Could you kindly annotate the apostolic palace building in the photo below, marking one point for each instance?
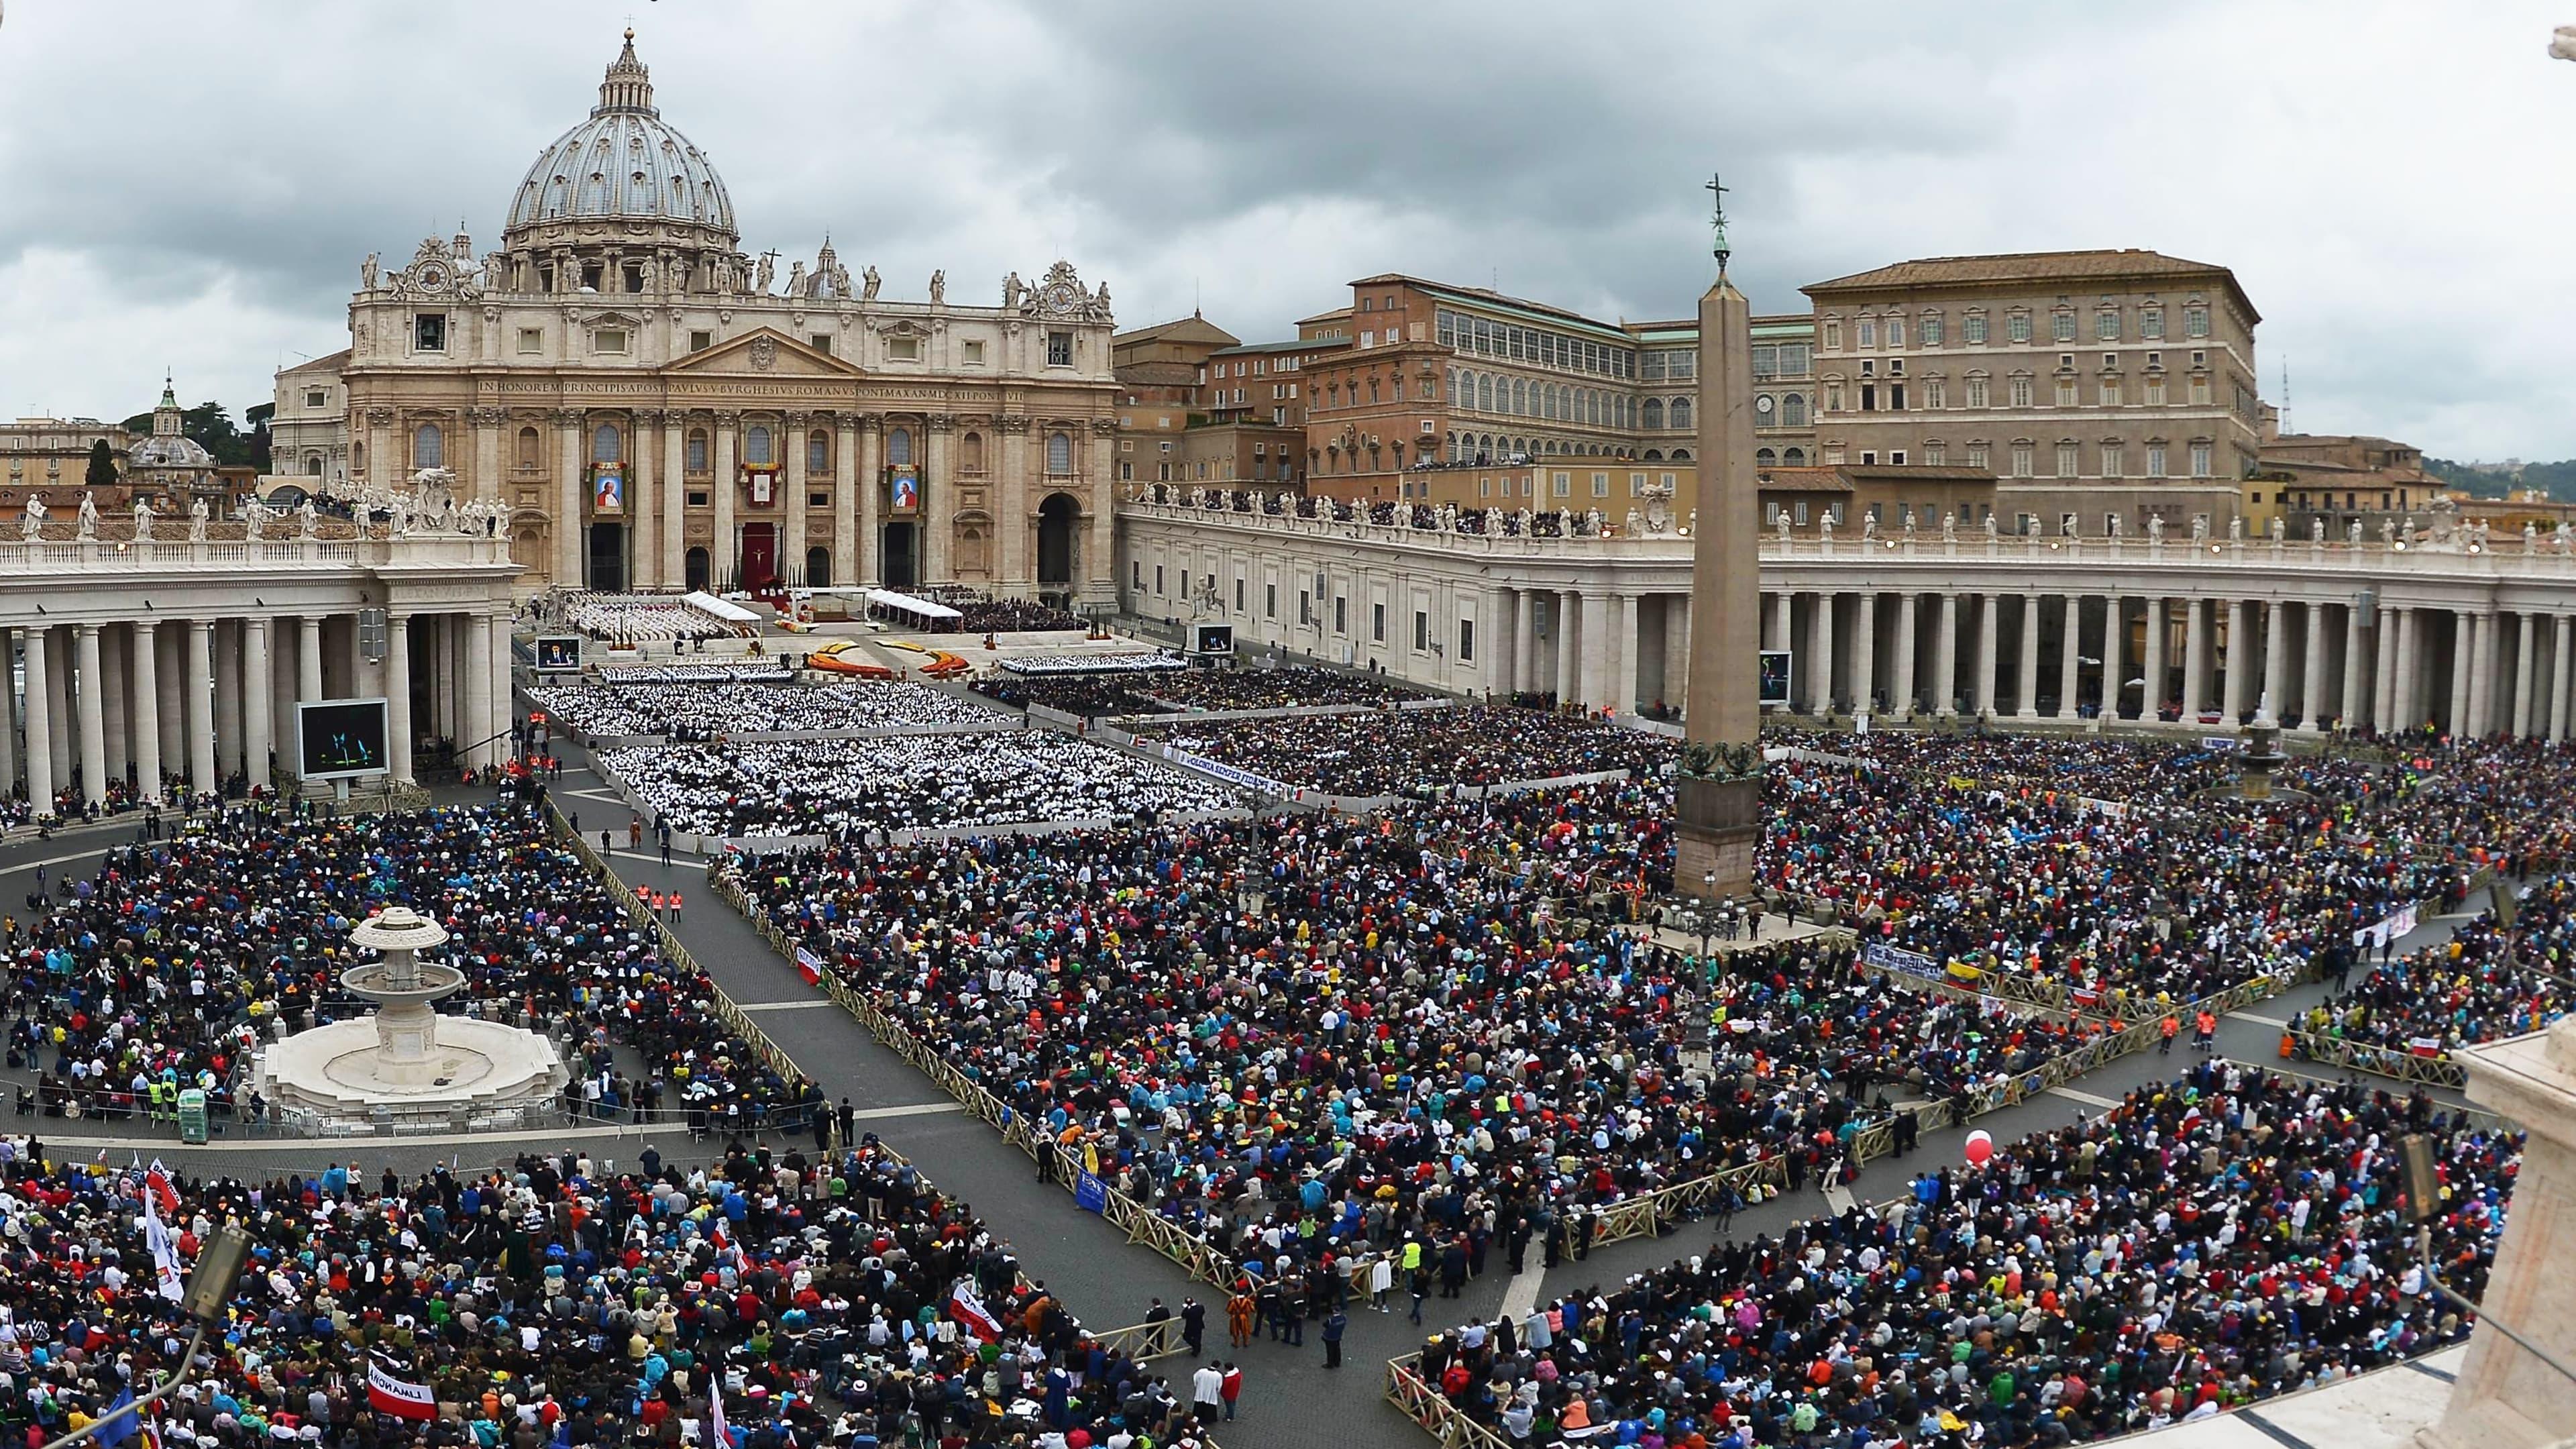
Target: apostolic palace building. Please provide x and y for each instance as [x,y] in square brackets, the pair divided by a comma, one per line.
[661,409]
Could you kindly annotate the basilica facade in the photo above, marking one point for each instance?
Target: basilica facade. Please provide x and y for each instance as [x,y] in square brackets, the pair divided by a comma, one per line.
[662,410]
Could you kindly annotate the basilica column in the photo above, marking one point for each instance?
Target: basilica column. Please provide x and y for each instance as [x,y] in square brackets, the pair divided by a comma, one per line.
[2526,649]
[845,502]
[398,730]
[939,500]
[488,423]
[40,725]
[1100,561]
[791,548]
[672,535]
[2151,696]
[1904,702]
[867,484]
[2358,673]
[147,710]
[259,691]
[1945,657]
[1820,643]
[1864,665]
[93,717]
[2070,660]
[724,561]
[1014,513]
[201,719]
[2312,674]
[383,467]
[567,510]
[2276,661]
[642,548]
[1989,652]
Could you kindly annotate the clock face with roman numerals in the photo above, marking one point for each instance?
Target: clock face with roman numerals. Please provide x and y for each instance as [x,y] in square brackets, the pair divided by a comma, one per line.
[1061,297]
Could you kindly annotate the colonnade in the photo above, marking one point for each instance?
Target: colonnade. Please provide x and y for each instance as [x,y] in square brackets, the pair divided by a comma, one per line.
[163,705]
[2046,655]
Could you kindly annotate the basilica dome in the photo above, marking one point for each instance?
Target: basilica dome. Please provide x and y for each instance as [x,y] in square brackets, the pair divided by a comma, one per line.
[624,167]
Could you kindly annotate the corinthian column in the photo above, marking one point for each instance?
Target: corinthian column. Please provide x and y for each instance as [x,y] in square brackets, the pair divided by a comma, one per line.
[567,520]
[791,549]
[938,501]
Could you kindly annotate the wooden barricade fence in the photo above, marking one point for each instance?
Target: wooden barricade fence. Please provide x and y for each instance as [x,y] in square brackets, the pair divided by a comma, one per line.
[1425,1405]
[2395,1063]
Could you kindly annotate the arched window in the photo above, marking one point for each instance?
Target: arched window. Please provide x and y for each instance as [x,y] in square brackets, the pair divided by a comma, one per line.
[1654,412]
[313,465]
[428,447]
[899,448]
[527,447]
[694,459]
[605,445]
[358,457]
[971,451]
[1793,410]
[818,454]
[1795,457]
[1680,413]
[755,444]
[1059,453]
[1484,394]
[1765,458]
[1681,455]
[1520,397]
[1654,455]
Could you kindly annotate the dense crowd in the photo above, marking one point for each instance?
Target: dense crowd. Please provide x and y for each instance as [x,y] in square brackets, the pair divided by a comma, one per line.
[2208,1243]
[1404,1042]
[166,968]
[835,1300]
[1418,752]
[852,789]
[1014,616]
[758,669]
[636,620]
[2488,981]
[1289,687]
[1091,696]
[1103,663]
[704,711]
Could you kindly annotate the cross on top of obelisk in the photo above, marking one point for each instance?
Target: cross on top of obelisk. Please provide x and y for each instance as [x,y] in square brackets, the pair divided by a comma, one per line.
[1717,221]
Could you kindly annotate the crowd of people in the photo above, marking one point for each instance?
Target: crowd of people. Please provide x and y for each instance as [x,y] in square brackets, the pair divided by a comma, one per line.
[1091,696]
[639,620]
[2208,1243]
[836,1300]
[1286,687]
[1130,662]
[894,783]
[1015,616]
[692,712]
[1418,752]
[2490,980]
[758,669]
[168,966]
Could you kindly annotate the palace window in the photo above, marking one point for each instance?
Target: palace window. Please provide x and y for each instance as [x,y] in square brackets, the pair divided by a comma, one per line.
[1973,328]
[2195,321]
[1929,333]
[2017,327]
[2070,460]
[428,447]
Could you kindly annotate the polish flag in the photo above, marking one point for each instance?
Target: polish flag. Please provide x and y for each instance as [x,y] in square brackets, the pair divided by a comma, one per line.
[809,966]
[968,1308]
[389,1395]
[157,1184]
[2424,1046]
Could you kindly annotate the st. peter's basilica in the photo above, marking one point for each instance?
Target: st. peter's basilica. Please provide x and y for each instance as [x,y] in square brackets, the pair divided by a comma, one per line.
[662,410]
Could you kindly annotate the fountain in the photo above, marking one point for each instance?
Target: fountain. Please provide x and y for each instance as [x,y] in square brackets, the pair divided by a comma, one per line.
[2261,755]
[406,1066]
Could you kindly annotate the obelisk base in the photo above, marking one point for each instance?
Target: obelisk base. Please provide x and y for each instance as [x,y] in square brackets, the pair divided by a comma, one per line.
[1720,822]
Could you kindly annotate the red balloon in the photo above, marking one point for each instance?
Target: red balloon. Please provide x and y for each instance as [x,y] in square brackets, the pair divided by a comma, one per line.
[1979,1148]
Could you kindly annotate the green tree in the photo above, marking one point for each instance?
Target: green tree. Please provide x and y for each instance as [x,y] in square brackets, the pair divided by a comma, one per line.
[211,425]
[258,417]
[102,466]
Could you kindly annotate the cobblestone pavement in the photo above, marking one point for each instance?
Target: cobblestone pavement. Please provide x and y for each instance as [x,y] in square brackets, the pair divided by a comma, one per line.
[1290,1398]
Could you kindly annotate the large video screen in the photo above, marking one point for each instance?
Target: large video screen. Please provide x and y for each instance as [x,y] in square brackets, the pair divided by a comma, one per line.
[557,652]
[1775,676]
[339,738]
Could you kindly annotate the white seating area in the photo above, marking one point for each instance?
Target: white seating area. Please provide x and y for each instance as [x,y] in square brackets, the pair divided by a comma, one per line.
[649,619]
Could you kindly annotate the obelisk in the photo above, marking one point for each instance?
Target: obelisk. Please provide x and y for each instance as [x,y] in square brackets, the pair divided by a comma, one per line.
[1720,789]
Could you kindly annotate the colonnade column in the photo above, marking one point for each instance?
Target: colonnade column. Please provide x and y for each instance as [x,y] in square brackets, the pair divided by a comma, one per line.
[1904,702]
[1626,635]
[791,549]
[2151,695]
[478,692]
[1593,656]
[1864,670]
[398,731]
[2312,676]
[2070,665]
[1989,642]
[308,658]
[2026,698]
[200,705]
[568,454]
[2240,659]
[146,711]
[2482,673]
[58,685]
[111,701]
[2195,657]
[2525,649]
[1945,658]
[1525,640]
[171,646]
[93,717]
[2402,712]
[2276,659]
[8,712]
[259,692]
[2115,643]
[1821,644]
[2464,650]
[1677,614]
[228,699]
[2358,675]
[2559,650]
[1569,653]
[40,725]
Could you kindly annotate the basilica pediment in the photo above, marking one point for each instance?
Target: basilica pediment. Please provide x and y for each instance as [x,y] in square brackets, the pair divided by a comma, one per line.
[764,352]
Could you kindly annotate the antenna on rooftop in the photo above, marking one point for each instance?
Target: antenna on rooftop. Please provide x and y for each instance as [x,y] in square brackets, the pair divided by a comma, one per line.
[2285,393]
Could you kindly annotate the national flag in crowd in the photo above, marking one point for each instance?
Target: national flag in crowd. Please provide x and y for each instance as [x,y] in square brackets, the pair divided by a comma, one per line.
[387,1394]
[156,1186]
[715,1410]
[165,1253]
[809,966]
[968,1307]
[2424,1046]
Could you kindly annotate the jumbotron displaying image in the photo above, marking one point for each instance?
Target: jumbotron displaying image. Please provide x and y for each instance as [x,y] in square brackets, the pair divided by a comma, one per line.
[339,738]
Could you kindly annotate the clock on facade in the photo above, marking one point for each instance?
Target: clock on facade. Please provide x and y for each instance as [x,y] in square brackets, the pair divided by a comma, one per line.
[1762,404]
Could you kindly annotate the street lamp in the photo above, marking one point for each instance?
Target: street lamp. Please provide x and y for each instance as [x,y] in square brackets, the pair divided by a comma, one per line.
[210,1288]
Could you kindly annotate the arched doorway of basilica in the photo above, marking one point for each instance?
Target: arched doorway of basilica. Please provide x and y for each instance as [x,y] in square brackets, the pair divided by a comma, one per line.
[694,569]
[902,569]
[818,568]
[608,557]
[1059,521]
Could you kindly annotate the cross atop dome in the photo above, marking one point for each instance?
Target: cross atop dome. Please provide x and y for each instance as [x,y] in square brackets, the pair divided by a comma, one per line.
[628,86]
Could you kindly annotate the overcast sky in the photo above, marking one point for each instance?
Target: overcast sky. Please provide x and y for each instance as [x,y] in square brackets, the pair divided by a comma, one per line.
[193,184]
